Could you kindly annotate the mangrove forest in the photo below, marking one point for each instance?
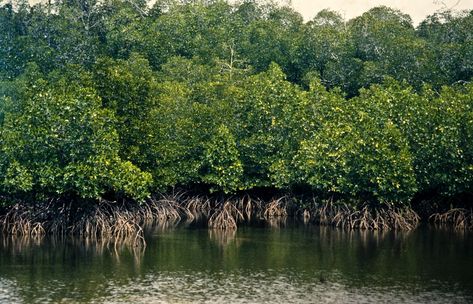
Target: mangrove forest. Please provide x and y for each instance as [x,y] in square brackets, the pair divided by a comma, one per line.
[114,114]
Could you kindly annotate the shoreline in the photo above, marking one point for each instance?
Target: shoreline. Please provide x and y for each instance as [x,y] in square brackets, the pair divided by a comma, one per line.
[125,221]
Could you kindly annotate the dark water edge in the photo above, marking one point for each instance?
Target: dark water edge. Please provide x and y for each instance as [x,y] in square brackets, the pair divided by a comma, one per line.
[256,264]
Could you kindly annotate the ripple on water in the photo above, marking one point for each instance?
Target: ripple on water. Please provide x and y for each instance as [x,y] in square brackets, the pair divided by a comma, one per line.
[263,287]
[8,291]
[293,265]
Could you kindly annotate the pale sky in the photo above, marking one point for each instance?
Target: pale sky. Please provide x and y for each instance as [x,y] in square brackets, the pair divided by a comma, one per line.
[417,9]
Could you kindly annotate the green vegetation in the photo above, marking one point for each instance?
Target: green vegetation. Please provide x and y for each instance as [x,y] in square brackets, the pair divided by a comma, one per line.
[116,99]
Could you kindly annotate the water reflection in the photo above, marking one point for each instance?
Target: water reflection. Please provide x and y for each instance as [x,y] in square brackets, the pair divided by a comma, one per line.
[277,221]
[223,238]
[296,264]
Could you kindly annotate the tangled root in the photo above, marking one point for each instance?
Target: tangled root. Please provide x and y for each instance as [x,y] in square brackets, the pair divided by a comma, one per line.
[164,209]
[225,217]
[109,220]
[460,218]
[22,221]
[381,218]
[249,206]
[196,207]
[124,221]
[276,208]
[58,224]
[96,220]
[329,214]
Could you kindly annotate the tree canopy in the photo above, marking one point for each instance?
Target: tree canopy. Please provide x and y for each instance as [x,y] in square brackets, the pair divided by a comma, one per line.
[123,98]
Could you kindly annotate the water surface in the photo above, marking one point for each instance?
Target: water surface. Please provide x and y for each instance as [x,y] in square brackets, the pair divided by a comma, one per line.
[294,264]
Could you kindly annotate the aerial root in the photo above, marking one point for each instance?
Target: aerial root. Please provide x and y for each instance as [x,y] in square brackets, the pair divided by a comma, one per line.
[109,220]
[196,207]
[460,218]
[379,218]
[225,216]
[249,206]
[164,209]
[276,208]
[125,221]
[22,221]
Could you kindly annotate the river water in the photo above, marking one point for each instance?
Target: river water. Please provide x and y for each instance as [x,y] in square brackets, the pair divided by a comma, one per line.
[294,264]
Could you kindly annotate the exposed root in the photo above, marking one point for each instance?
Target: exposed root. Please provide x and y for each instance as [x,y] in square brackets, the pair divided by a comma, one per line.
[404,218]
[276,208]
[225,217]
[196,207]
[381,218]
[329,214]
[460,218]
[58,224]
[124,221]
[22,221]
[167,208]
[306,215]
[109,220]
[249,206]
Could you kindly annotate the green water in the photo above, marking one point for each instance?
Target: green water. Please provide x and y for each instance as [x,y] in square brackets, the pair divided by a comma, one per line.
[294,264]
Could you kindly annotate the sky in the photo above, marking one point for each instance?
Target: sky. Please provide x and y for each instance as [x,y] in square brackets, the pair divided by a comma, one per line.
[417,9]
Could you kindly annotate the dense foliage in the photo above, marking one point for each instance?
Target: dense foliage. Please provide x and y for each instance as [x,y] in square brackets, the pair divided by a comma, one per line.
[119,98]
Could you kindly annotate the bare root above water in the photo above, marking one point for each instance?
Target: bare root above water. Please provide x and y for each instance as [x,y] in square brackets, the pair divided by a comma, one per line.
[276,208]
[249,206]
[121,222]
[22,221]
[126,221]
[460,218]
[378,218]
[110,220]
[225,216]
